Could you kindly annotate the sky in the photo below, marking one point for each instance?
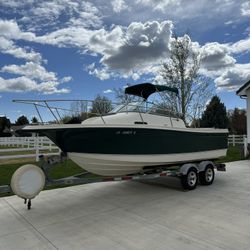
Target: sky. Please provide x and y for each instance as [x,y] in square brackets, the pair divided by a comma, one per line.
[74,49]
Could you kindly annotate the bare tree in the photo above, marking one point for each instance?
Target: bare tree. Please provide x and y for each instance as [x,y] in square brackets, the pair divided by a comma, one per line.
[101,105]
[122,97]
[181,71]
[79,107]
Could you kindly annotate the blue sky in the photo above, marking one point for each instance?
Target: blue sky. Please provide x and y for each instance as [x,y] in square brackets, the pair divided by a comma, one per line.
[72,49]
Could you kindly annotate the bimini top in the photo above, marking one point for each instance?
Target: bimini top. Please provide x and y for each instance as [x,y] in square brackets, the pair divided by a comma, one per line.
[144,90]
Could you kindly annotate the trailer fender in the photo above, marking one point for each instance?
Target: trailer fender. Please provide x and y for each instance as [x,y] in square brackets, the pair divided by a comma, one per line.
[202,165]
[185,167]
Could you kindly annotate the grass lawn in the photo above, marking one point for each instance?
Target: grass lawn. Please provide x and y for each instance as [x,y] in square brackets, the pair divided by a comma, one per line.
[233,154]
[69,168]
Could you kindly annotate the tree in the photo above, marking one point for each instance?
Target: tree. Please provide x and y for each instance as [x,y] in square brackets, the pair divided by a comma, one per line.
[215,115]
[4,123]
[181,71]
[22,120]
[101,105]
[122,97]
[34,120]
[238,122]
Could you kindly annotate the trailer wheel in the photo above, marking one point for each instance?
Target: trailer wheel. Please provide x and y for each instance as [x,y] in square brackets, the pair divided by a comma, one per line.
[207,176]
[189,181]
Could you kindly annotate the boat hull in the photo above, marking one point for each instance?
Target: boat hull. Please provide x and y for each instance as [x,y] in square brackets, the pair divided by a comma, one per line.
[114,165]
[118,150]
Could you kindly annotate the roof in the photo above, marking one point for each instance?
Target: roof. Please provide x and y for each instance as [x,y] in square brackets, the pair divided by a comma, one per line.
[242,90]
[146,89]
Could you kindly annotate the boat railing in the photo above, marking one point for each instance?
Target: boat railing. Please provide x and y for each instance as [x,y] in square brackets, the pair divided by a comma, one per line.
[92,108]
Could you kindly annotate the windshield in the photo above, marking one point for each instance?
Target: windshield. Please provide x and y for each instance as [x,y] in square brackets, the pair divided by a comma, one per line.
[130,107]
[144,107]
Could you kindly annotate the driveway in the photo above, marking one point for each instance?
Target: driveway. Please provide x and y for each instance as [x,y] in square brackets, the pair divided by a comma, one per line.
[134,215]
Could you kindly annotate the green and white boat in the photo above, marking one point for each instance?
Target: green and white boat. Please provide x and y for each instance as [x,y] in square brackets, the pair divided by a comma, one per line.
[134,137]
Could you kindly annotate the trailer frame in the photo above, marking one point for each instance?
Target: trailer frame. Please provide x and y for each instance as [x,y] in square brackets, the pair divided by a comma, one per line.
[180,171]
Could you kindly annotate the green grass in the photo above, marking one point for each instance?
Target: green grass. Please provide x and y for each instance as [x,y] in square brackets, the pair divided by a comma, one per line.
[58,171]
[61,170]
[233,154]
[69,168]
[27,152]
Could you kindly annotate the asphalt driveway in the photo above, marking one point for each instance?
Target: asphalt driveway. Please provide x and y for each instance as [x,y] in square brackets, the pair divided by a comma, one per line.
[134,215]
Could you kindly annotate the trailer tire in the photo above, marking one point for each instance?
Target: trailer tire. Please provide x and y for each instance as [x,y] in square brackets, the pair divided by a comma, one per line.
[206,177]
[189,181]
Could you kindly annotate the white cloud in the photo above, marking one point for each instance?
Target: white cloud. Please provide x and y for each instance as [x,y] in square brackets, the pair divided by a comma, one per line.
[10,30]
[24,84]
[124,51]
[102,73]
[215,56]
[31,70]
[241,46]
[33,77]
[228,22]
[245,9]
[66,79]
[234,77]
[8,47]
[19,84]
[119,5]
[140,44]
[108,91]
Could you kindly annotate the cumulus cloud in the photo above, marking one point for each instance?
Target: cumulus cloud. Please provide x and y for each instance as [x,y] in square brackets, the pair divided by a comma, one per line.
[19,84]
[215,56]
[141,44]
[245,9]
[66,79]
[37,15]
[31,70]
[127,51]
[241,46]
[9,47]
[25,84]
[33,77]
[108,91]
[123,49]
[9,29]
[119,5]
[233,77]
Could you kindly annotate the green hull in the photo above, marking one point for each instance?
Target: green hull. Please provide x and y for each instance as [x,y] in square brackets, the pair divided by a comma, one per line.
[134,141]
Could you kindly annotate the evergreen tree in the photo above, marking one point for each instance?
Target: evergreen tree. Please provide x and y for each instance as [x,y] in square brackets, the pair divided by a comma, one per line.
[34,120]
[238,122]
[22,120]
[4,123]
[215,115]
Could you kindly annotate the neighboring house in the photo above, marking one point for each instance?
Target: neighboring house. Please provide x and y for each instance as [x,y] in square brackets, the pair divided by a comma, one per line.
[244,92]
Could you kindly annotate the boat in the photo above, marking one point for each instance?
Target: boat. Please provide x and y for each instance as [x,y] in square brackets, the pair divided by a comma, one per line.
[135,137]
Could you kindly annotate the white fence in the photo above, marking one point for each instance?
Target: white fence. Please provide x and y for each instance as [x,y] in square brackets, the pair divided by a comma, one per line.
[239,140]
[21,144]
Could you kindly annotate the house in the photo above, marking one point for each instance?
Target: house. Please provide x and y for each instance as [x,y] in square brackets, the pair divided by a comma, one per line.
[244,92]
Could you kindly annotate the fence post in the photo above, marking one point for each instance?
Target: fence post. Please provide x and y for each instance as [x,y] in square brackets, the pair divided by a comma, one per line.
[50,145]
[233,140]
[37,147]
[245,145]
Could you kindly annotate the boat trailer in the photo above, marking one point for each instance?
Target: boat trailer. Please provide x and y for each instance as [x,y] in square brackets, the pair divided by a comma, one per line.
[29,180]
